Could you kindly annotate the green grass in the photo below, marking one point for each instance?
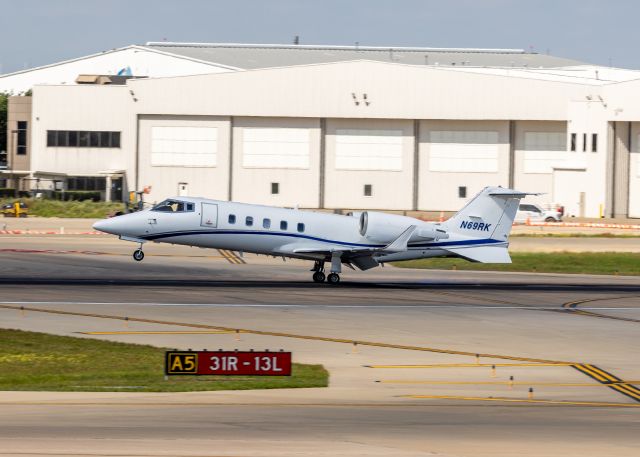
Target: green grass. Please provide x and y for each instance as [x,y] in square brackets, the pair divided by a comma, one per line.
[38,361]
[606,263]
[58,208]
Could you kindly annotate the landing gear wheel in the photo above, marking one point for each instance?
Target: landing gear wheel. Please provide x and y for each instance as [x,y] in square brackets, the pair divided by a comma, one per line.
[333,278]
[318,276]
[138,255]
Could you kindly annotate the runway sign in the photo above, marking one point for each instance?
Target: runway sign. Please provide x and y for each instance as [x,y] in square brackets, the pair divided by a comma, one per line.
[228,363]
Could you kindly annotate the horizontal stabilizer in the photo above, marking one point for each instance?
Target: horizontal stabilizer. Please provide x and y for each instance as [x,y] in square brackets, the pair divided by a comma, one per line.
[483,254]
[510,193]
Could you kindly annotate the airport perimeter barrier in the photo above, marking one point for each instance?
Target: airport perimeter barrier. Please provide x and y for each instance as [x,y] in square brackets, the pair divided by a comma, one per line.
[582,225]
[61,231]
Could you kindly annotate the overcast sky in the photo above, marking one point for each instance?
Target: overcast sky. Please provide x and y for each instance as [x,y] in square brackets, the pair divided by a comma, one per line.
[38,32]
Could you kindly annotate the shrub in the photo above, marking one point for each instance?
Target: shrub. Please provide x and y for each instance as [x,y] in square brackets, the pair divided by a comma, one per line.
[72,208]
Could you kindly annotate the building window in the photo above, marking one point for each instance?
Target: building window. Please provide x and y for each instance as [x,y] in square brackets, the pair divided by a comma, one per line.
[283,225]
[368,190]
[62,138]
[462,192]
[51,138]
[232,218]
[249,221]
[275,188]
[21,145]
[87,183]
[82,139]
[266,223]
[94,139]
[73,139]
[300,227]
[574,140]
[594,142]
[584,142]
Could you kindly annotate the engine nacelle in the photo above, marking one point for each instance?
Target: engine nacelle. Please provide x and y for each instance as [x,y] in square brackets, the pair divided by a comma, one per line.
[384,228]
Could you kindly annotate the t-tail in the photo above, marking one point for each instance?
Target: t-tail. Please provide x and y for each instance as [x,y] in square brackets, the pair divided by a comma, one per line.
[484,224]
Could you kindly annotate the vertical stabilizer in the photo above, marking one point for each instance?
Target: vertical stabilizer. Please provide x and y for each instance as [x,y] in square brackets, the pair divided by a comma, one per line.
[489,215]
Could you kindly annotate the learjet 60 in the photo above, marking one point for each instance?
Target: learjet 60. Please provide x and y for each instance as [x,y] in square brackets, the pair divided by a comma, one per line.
[479,232]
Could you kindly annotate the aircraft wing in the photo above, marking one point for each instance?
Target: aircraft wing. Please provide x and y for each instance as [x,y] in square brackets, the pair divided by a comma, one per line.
[362,257]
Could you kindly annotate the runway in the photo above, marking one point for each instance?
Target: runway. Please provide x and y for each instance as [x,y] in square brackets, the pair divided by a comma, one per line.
[420,361]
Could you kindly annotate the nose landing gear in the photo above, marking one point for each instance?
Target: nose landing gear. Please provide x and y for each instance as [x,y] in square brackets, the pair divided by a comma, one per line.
[138,254]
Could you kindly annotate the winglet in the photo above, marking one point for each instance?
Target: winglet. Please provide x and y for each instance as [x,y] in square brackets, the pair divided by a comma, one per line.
[400,243]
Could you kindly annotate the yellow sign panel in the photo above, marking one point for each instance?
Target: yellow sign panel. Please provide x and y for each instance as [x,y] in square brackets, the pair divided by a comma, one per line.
[182,363]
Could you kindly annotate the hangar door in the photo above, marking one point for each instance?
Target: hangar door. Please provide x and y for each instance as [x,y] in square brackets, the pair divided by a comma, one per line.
[368,149]
[184,146]
[544,151]
[634,184]
[567,193]
[456,151]
[266,147]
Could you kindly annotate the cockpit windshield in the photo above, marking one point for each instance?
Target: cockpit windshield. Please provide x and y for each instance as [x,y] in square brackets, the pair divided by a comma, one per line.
[173,206]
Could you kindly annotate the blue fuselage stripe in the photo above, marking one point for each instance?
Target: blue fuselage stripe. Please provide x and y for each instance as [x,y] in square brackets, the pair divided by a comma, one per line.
[159,236]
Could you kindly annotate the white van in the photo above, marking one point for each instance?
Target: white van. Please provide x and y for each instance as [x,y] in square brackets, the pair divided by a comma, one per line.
[535,213]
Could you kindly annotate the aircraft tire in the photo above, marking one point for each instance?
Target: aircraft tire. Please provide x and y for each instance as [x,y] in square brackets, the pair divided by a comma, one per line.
[138,255]
[333,279]
[318,276]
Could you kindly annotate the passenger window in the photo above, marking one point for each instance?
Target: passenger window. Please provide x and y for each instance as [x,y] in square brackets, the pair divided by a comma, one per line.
[266,223]
[189,206]
[283,225]
[300,227]
[249,221]
[232,218]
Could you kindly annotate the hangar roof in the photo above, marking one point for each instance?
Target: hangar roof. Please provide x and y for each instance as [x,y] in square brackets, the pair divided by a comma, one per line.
[252,56]
[582,74]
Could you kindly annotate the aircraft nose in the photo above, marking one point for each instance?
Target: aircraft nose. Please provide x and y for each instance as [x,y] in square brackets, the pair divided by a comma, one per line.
[108,226]
[102,225]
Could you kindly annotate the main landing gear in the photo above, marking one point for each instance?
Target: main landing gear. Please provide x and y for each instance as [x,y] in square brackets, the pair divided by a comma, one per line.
[332,278]
[318,276]
[318,271]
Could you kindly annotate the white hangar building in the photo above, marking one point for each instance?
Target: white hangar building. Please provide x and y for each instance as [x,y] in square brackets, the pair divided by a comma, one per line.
[399,129]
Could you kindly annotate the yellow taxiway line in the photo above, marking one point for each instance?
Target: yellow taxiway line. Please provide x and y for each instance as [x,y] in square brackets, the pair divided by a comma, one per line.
[522,400]
[599,375]
[609,380]
[572,307]
[476,365]
[159,332]
[231,257]
[504,383]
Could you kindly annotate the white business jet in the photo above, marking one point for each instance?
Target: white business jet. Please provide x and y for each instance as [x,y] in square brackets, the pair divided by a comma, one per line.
[478,232]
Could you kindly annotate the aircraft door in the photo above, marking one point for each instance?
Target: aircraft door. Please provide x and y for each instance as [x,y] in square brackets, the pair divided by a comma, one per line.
[209,215]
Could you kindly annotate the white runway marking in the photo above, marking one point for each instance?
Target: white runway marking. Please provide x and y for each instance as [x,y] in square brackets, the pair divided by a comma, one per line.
[284,305]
